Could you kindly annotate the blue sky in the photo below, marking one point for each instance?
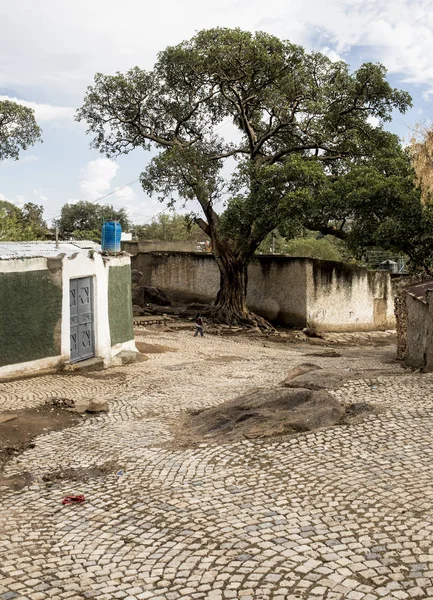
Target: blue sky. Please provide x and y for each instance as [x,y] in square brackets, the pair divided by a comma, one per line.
[50,50]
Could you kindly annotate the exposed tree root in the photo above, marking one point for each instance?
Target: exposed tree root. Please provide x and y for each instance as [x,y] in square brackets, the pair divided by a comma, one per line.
[219,315]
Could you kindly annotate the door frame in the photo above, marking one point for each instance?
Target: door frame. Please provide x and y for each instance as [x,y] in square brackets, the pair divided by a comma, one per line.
[93,311]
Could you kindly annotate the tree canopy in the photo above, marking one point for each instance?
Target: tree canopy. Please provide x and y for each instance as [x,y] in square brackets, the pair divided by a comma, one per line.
[379,206]
[84,220]
[24,224]
[170,228]
[18,129]
[251,127]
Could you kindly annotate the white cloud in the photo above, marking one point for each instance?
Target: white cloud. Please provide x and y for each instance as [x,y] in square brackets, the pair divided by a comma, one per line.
[331,54]
[96,178]
[374,121]
[29,159]
[19,200]
[94,36]
[45,112]
[39,193]
[125,195]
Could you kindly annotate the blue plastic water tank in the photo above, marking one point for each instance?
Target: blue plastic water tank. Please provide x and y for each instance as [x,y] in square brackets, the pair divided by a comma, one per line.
[111,234]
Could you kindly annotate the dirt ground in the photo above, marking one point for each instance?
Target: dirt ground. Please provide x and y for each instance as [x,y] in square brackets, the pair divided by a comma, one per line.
[18,429]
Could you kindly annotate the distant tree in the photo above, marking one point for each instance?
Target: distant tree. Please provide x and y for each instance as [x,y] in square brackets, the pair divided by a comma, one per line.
[308,246]
[170,228]
[18,129]
[24,224]
[300,119]
[84,220]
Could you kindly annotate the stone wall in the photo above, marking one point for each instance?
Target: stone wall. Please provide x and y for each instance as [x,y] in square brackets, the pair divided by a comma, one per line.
[285,290]
[419,336]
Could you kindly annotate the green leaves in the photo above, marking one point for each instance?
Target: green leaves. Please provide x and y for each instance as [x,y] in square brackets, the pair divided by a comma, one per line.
[24,224]
[88,217]
[170,228]
[252,115]
[18,129]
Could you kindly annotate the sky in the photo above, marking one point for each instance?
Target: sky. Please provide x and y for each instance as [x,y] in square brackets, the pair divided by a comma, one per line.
[51,49]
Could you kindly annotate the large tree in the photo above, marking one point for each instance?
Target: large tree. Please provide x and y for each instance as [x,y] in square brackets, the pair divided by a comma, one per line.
[18,129]
[245,119]
[84,220]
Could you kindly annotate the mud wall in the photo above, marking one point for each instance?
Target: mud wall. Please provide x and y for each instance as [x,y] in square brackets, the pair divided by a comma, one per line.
[120,304]
[346,297]
[289,291]
[31,312]
[158,246]
[35,314]
[277,289]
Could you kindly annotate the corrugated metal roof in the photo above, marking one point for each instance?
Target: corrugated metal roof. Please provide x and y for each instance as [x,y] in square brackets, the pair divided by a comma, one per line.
[9,250]
[419,290]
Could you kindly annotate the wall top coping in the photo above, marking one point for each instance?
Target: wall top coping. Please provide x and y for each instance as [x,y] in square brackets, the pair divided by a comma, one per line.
[280,258]
[11,250]
[420,291]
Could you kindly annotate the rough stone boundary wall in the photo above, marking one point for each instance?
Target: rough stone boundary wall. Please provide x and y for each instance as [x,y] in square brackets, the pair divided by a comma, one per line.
[419,332]
[289,291]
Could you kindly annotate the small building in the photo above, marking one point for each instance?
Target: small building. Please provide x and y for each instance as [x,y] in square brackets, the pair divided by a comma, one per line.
[62,304]
[389,265]
[418,326]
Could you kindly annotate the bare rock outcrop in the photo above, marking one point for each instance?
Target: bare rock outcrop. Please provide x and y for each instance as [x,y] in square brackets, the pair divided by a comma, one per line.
[265,413]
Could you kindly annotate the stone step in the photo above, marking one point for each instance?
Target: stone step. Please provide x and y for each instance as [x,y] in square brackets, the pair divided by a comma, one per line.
[85,366]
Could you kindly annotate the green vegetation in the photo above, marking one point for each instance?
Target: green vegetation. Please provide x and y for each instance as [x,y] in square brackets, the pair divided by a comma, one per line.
[170,228]
[18,129]
[84,220]
[309,246]
[302,123]
[24,224]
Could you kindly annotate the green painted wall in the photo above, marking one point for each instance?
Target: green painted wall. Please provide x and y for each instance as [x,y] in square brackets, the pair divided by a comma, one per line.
[120,304]
[30,316]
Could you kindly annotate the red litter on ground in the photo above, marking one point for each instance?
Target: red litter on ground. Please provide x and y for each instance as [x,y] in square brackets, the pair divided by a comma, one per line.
[74,499]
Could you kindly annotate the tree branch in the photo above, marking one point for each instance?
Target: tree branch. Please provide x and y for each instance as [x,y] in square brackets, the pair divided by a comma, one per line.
[203,225]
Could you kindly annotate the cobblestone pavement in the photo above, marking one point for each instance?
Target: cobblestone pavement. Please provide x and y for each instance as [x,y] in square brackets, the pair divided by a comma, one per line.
[345,512]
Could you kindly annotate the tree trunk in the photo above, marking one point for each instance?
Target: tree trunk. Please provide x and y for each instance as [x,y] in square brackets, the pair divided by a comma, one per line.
[230,305]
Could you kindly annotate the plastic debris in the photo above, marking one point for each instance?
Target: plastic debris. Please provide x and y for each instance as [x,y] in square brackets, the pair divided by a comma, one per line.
[74,499]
